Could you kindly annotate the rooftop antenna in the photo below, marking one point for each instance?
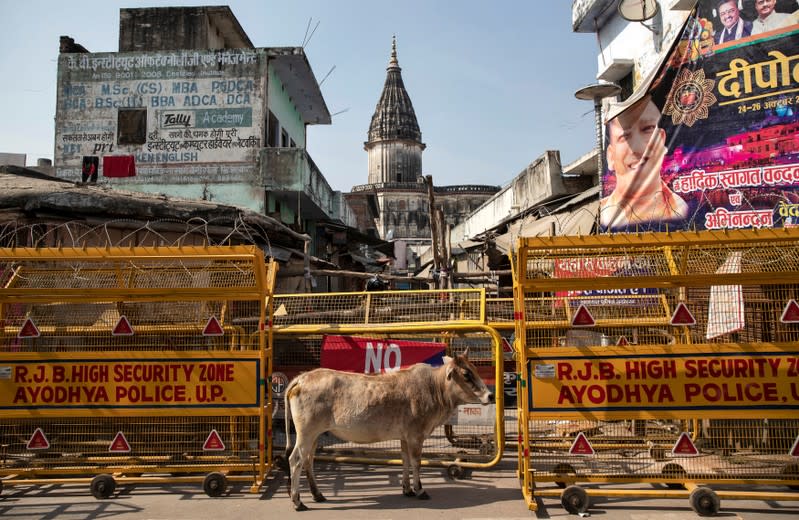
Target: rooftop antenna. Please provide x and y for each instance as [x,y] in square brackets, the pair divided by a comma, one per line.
[326,75]
[307,27]
[308,37]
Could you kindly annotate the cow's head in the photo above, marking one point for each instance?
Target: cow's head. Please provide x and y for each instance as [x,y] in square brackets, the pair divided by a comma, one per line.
[468,385]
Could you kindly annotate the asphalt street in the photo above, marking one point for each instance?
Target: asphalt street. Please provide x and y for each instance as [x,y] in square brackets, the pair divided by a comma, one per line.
[356,492]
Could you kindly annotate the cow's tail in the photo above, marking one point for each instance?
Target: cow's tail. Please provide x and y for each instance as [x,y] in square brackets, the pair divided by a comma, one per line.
[288,420]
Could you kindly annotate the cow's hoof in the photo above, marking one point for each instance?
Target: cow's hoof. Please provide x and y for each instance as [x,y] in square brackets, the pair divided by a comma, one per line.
[319,498]
[409,493]
[423,496]
[300,507]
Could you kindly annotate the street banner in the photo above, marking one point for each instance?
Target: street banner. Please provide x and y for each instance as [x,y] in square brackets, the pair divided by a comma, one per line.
[711,138]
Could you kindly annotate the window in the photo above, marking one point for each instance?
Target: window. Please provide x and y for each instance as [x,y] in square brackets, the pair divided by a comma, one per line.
[626,84]
[132,126]
[273,131]
[284,139]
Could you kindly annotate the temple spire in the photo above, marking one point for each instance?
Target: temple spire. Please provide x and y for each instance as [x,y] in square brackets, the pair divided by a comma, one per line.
[393,61]
[394,141]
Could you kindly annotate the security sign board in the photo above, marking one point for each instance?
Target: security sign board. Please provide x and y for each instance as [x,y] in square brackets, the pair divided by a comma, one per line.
[720,380]
[375,355]
[133,383]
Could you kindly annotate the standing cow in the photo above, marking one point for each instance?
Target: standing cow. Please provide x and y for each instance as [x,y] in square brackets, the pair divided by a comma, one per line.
[406,405]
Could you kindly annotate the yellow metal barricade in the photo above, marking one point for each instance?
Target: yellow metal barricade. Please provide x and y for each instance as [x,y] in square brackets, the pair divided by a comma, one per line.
[135,365]
[453,319]
[664,359]
[499,316]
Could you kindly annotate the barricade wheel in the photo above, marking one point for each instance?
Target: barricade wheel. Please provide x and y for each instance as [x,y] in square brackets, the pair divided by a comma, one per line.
[214,484]
[791,471]
[574,500]
[455,471]
[563,469]
[674,470]
[705,501]
[103,486]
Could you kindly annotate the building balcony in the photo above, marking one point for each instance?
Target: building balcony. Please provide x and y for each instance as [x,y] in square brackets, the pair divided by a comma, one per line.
[291,177]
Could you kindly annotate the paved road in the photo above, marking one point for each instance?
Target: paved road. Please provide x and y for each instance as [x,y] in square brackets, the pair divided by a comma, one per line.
[355,492]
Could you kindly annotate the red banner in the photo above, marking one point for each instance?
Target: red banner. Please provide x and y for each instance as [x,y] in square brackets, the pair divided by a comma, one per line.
[370,355]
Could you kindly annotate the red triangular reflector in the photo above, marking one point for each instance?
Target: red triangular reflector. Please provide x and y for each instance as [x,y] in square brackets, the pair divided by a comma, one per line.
[795,447]
[684,446]
[119,444]
[214,442]
[682,316]
[213,328]
[791,313]
[622,341]
[122,328]
[28,330]
[583,318]
[581,446]
[38,441]
[506,346]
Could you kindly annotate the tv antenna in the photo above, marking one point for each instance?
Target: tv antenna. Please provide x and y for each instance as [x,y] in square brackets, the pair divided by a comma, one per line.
[308,37]
[326,75]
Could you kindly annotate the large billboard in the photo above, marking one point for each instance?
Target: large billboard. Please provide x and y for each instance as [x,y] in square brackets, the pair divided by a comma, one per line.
[712,142]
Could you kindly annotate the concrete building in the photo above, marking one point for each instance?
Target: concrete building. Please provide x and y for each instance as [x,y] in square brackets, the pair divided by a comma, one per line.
[546,198]
[189,107]
[628,51]
[12,159]
[395,202]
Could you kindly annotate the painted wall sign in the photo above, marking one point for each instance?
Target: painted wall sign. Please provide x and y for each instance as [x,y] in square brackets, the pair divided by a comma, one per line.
[716,380]
[204,109]
[137,383]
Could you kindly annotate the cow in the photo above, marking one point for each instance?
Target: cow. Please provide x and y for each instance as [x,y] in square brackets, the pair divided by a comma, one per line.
[406,405]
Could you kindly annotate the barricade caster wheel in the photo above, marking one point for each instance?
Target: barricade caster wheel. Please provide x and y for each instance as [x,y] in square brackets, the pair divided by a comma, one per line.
[565,470]
[214,484]
[791,471]
[705,501]
[674,470]
[455,471]
[103,486]
[574,500]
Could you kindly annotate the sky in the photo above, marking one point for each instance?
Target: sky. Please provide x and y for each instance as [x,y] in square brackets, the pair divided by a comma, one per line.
[492,83]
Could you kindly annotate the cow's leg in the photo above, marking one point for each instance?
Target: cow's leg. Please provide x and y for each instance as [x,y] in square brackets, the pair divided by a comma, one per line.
[406,466]
[317,496]
[415,455]
[297,460]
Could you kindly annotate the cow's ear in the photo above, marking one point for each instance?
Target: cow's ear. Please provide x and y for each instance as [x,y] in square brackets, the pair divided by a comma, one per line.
[450,365]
